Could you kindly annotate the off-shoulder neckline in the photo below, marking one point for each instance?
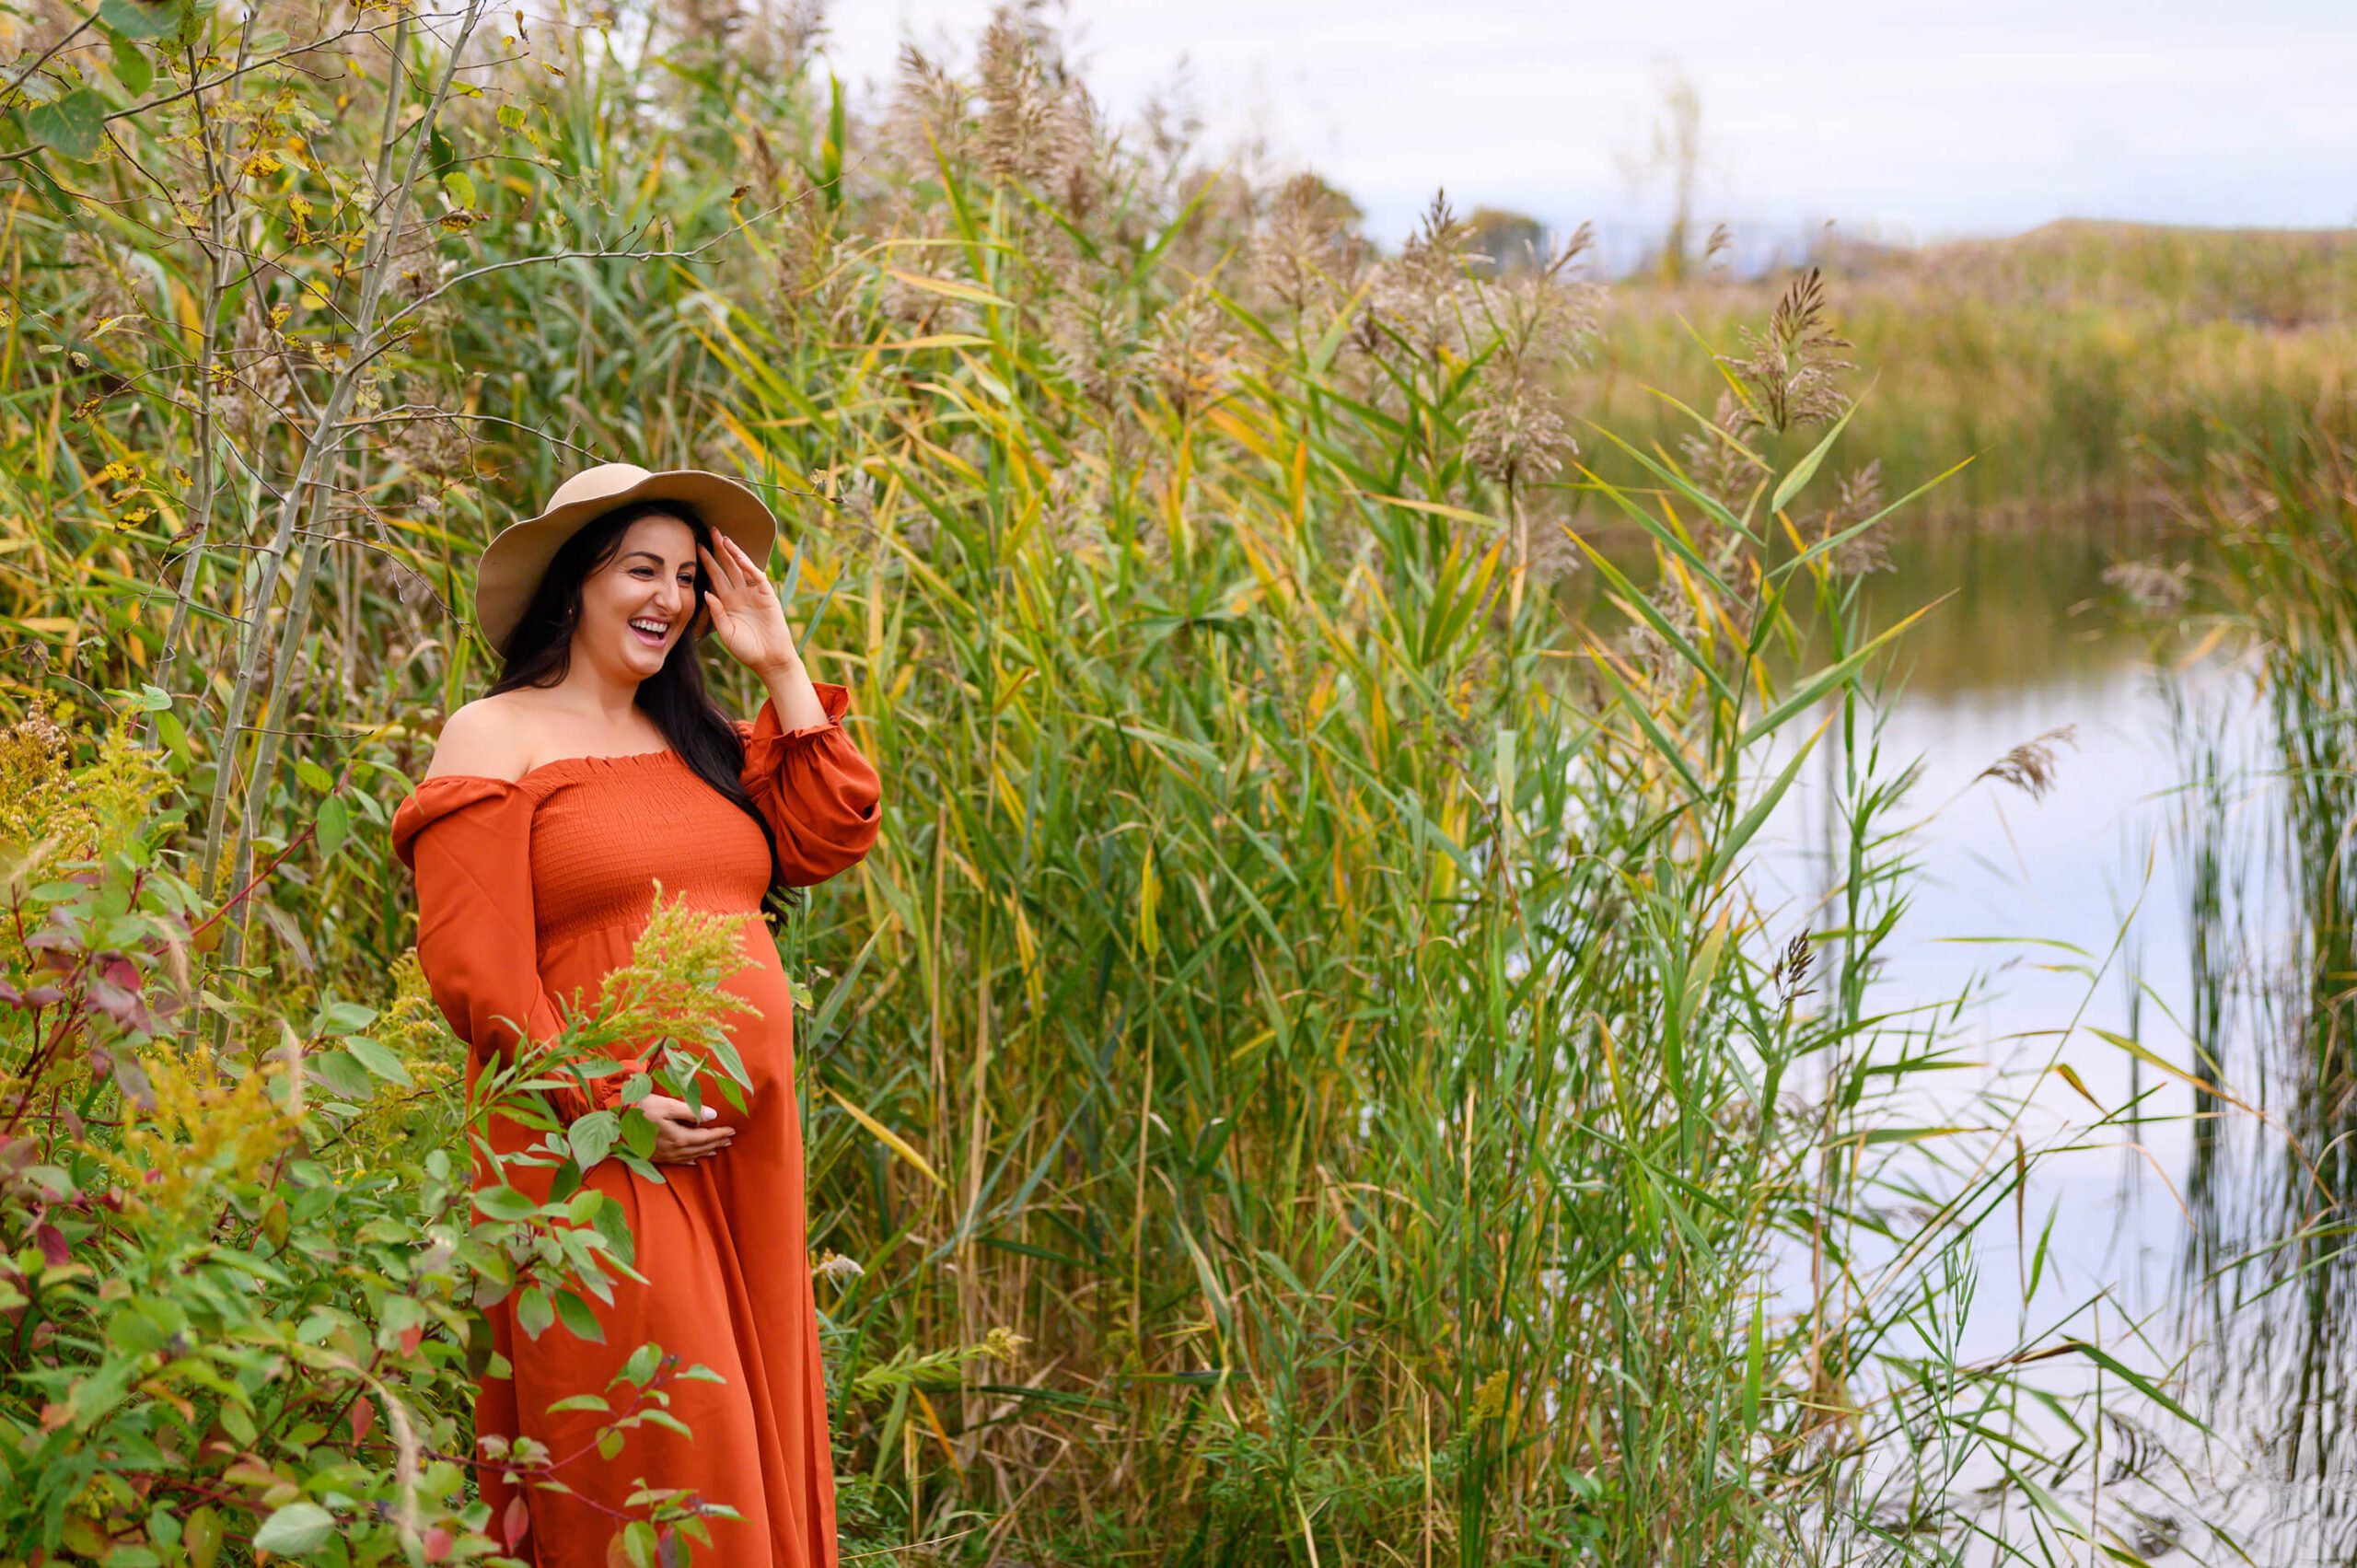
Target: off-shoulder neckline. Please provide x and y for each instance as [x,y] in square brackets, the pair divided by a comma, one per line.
[593,763]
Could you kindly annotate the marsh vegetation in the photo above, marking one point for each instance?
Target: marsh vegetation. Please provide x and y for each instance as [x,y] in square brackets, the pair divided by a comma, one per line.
[1386,1024]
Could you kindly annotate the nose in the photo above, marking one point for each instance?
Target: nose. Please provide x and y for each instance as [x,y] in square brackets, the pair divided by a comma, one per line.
[675,598]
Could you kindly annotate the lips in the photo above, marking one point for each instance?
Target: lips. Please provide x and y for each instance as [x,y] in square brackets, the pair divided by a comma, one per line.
[651,639]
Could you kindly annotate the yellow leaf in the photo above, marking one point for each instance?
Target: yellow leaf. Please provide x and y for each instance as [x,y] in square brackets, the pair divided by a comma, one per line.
[891,1139]
[935,340]
[949,286]
[1435,507]
[2070,1075]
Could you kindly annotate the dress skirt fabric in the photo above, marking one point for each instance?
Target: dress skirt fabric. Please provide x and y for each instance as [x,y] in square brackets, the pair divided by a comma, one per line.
[529,892]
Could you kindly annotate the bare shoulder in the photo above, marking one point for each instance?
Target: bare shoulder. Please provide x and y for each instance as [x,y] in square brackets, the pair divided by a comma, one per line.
[490,737]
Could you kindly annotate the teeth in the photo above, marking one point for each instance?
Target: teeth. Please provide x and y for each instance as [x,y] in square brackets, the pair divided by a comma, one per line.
[657,627]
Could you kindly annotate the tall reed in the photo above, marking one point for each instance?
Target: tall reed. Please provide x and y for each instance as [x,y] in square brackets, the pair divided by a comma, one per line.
[1306,1073]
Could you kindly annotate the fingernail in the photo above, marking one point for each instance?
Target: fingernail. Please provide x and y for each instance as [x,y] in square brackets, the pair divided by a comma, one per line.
[709,1113]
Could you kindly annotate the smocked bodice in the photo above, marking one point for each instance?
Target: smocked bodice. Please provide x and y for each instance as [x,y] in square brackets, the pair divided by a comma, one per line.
[606,829]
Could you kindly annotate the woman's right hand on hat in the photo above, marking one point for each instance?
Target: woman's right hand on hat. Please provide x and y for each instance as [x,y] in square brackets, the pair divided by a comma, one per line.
[746,613]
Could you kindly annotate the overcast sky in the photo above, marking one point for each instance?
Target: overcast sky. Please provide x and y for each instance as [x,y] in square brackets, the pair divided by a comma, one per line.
[1903,119]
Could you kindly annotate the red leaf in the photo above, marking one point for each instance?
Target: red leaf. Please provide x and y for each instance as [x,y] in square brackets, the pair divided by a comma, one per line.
[410,1337]
[518,1520]
[121,1005]
[53,1249]
[438,1542]
[129,1076]
[361,1416]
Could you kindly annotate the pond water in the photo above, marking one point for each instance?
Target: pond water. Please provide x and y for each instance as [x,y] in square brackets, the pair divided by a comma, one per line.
[2151,892]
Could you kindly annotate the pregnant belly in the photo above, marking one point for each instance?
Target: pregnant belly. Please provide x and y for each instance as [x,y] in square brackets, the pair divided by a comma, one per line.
[760,1034]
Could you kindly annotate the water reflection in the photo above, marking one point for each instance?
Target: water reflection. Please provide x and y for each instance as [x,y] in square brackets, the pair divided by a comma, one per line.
[2174,887]
[2270,1271]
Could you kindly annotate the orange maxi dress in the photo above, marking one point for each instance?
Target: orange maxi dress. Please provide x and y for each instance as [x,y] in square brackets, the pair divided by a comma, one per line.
[529,891]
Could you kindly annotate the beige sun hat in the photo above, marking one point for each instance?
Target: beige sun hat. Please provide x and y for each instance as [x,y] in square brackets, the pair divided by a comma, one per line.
[518,556]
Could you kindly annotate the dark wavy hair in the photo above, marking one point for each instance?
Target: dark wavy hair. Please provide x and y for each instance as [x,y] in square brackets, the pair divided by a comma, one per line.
[539,653]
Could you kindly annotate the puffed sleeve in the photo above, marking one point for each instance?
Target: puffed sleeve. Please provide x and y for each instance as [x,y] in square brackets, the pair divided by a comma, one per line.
[818,794]
[468,841]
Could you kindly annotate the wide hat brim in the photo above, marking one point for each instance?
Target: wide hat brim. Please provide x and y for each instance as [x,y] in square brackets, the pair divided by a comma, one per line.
[513,564]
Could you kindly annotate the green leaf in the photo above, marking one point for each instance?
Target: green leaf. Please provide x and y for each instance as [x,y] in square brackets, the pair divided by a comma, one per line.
[74,125]
[2047,1503]
[335,826]
[1634,601]
[379,1059]
[506,1204]
[461,189]
[534,1311]
[2038,1261]
[133,67]
[2138,1381]
[1754,820]
[139,18]
[592,1136]
[579,1317]
[339,1071]
[99,1392]
[641,1365]
[1804,470]
[1641,712]
[1832,543]
[1327,345]
[638,1132]
[201,1538]
[613,1224]
[54,196]
[1830,678]
[1875,1136]
[1754,1362]
[2152,1059]
[296,1528]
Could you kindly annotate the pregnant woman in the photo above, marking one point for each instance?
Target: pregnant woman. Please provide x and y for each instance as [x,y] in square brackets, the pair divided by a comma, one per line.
[594,766]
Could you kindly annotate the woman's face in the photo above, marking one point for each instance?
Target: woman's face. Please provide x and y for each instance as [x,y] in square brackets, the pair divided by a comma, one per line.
[636,606]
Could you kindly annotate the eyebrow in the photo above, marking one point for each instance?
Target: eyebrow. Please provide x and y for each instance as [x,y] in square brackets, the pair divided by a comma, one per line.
[652,556]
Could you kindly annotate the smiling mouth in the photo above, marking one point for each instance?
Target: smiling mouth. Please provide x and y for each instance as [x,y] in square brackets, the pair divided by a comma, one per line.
[652,639]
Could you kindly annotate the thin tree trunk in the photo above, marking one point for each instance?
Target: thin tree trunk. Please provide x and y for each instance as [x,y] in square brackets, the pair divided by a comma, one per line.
[207,475]
[275,707]
[324,442]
